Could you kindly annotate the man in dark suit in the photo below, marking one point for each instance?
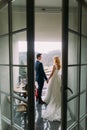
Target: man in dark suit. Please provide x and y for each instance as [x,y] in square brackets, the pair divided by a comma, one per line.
[40,76]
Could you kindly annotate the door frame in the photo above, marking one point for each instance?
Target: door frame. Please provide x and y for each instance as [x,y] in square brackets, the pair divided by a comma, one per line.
[64,87]
[30,58]
[30,63]
[64,64]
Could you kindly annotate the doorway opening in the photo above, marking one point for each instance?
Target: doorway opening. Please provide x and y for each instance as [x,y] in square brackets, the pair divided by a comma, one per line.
[48,42]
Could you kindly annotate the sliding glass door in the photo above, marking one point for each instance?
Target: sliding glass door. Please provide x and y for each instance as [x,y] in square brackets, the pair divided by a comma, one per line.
[16,65]
[74,89]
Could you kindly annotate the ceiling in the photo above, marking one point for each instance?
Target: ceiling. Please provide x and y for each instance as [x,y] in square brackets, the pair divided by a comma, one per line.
[52,4]
[48,3]
[41,3]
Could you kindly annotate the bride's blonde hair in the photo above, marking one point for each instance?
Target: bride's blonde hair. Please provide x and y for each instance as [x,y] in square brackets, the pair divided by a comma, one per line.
[57,62]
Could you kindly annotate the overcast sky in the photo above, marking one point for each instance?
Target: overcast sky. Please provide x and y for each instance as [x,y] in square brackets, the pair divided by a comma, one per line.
[42,47]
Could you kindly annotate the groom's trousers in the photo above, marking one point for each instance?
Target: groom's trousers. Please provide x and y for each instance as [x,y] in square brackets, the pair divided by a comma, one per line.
[40,87]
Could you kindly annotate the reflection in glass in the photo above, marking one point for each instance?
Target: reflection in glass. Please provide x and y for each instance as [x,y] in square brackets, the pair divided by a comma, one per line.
[20,91]
[4,50]
[83,102]
[20,48]
[72,114]
[20,113]
[19,77]
[83,81]
[73,49]
[75,128]
[5,125]
[73,80]
[4,79]
[84,51]
[15,128]
[4,20]
[84,20]
[83,124]
[73,15]
[5,107]
[19,14]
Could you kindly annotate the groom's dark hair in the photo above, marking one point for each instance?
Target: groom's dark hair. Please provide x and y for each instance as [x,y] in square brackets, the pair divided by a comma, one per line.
[38,55]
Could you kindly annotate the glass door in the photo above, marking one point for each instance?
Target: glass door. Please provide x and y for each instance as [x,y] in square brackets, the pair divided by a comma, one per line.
[16,65]
[74,60]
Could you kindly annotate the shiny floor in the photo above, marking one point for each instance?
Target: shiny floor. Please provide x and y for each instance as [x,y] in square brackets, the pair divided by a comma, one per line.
[42,124]
[20,118]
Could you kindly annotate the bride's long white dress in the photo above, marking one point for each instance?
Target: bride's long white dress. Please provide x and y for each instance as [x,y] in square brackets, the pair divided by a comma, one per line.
[53,98]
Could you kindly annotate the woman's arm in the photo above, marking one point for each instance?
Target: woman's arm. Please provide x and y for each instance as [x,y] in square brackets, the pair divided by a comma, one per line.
[53,69]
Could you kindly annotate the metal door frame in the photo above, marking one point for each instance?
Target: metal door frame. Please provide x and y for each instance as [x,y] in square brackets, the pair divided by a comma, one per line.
[64,63]
[65,11]
[30,56]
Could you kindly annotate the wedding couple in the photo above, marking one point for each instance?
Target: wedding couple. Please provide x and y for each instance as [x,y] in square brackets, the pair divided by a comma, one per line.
[53,94]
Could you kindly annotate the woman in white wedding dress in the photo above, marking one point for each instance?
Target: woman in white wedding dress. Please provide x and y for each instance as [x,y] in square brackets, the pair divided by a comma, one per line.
[53,94]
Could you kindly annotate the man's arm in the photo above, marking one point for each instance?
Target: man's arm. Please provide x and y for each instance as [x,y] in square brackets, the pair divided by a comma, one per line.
[42,71]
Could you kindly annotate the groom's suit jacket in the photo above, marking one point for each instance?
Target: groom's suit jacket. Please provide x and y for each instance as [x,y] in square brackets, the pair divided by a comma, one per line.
[40,74]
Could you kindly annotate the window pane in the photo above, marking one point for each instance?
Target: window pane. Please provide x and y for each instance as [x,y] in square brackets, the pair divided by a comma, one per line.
[20,114]
[84,20]
[73,49]
[83,81]
[20,48]
[74,128]
[84,51]
[72,113]
[4,20]
[19,77]
[73,15]
[20,91]
[4,50]
[5,107]
[83,102]
[83,124]
[5,125]
[4,79]
[18,14]
[73,80]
